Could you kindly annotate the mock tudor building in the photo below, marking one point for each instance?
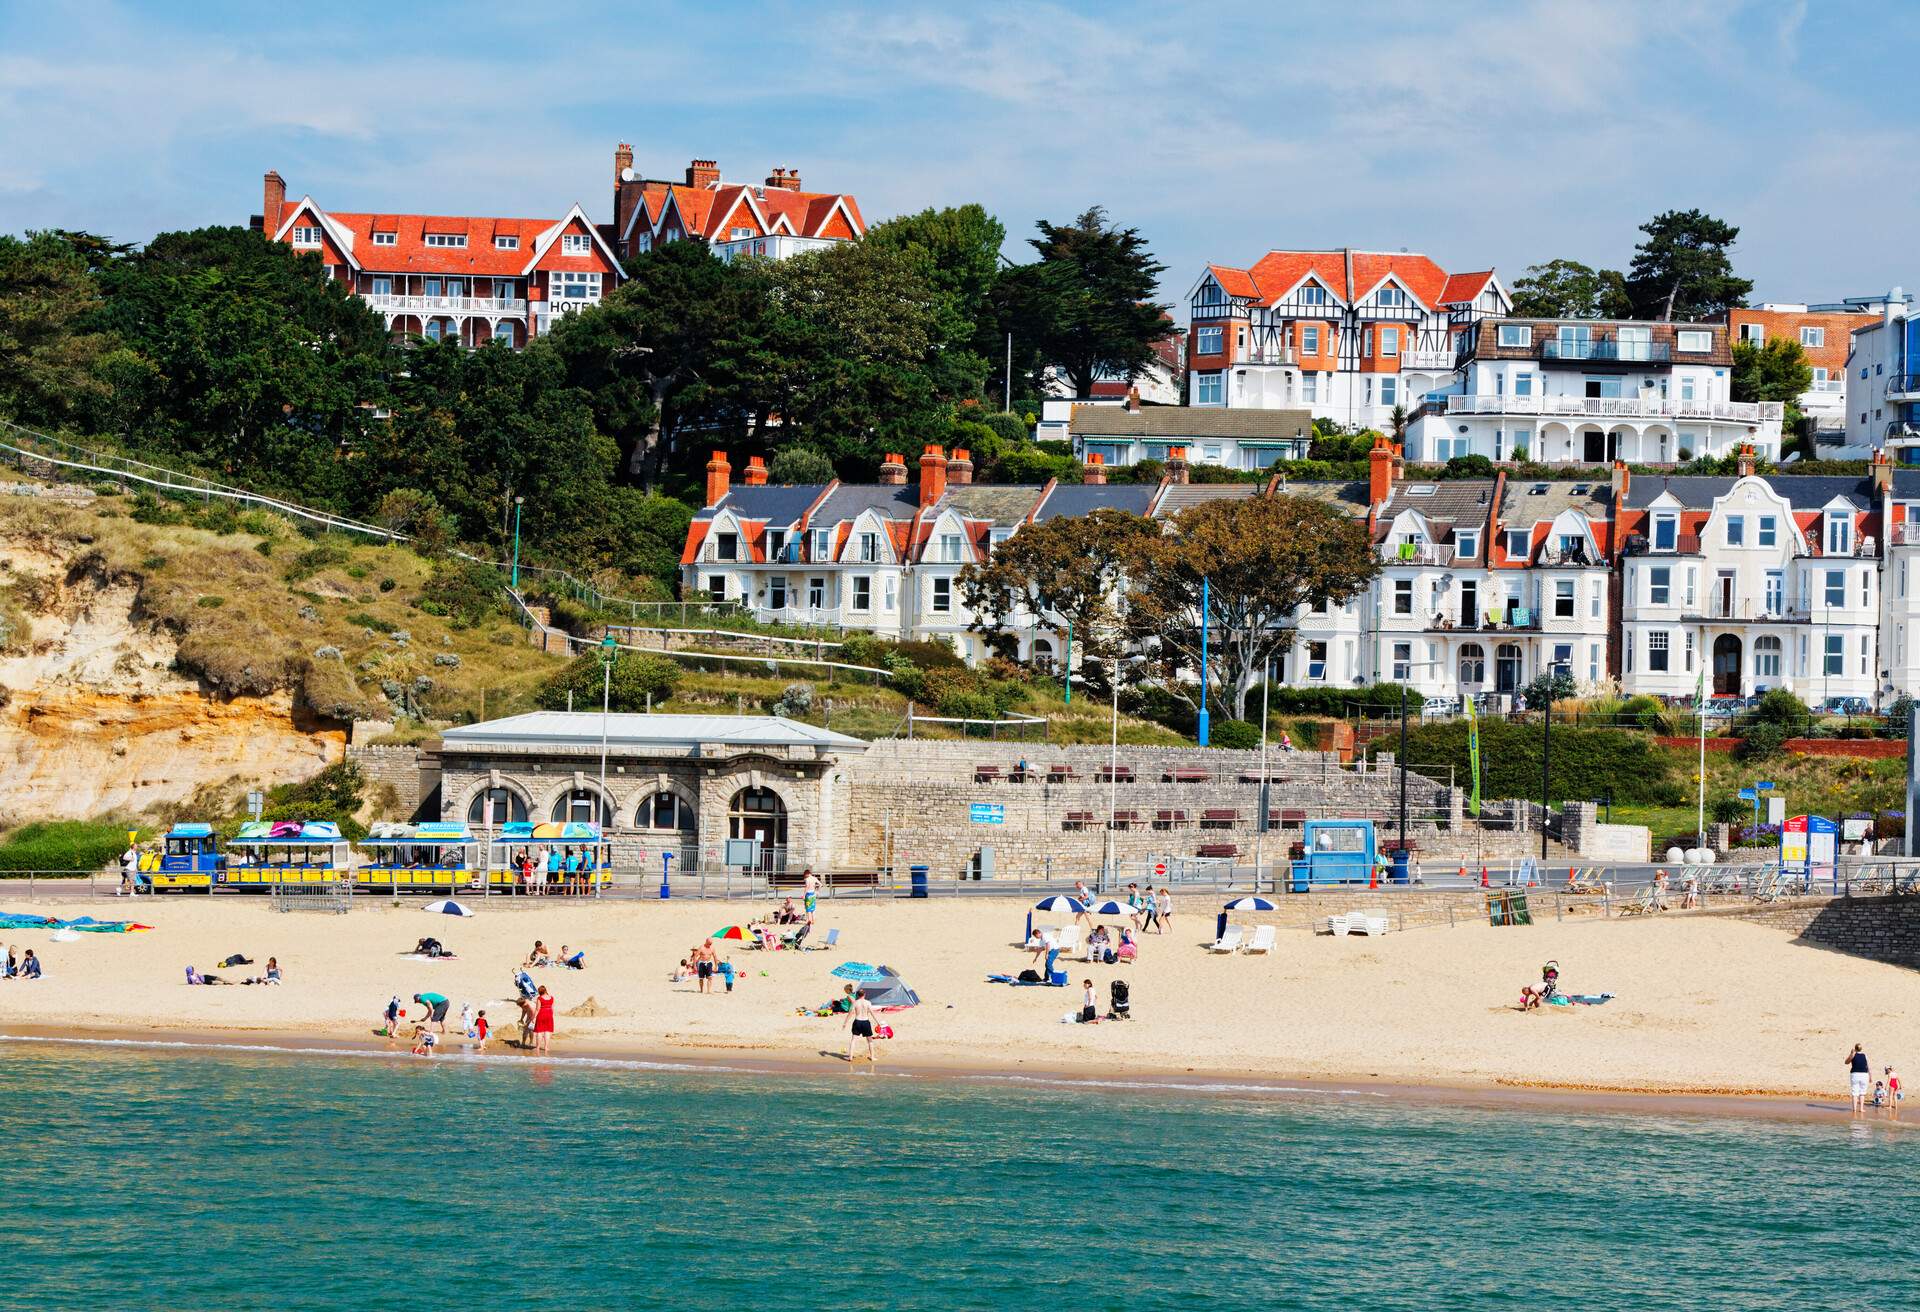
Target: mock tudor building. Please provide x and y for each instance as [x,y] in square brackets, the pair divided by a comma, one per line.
[771,219]
[464,279]
[1347,335]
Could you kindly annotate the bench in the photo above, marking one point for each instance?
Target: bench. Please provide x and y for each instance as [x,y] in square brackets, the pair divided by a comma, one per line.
[1114,774]
[1170,819]
[1186,774]
[1292,818]
[1218,850]
[1219,818]
[1125,819]
[1059,774]
[1077,820]
[985,774]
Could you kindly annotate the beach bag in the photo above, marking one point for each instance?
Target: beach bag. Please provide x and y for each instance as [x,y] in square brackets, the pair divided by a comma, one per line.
[1029,977]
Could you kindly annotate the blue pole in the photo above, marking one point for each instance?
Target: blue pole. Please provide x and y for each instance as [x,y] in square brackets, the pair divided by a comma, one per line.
[1206,598]
[1066,677]
[666,866]
[516,545]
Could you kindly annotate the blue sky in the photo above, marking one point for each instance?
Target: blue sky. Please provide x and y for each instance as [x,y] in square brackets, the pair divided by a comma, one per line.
[1494,133]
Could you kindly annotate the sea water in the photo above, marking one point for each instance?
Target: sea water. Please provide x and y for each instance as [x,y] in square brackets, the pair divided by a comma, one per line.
[139,1179]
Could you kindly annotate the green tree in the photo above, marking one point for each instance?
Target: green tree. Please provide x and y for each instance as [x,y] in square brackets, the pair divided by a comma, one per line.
[1087,306]
[1263,559]
[959,251]
[49,361]
[1568,289]
[799,464]
[263,368]
[1066,570]
[635,679]
[1683,268]
[1775,370]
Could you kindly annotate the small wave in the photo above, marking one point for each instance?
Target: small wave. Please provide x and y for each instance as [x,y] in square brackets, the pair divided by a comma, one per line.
[1177,1086]
[376,1054]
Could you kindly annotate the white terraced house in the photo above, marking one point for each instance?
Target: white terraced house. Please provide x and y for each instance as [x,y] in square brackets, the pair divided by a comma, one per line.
[1590,392]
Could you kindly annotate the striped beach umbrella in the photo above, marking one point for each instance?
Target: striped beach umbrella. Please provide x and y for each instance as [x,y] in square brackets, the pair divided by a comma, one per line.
[1060,902]
[1250,904]
[857,971]
[730,932]
[1113,906]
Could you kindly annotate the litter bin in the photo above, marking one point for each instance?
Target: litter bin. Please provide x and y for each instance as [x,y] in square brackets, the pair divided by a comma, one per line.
[1400,875]
[917,877]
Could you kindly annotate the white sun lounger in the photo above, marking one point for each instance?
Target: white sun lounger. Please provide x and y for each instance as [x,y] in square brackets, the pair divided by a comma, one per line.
[1262,940]
[1067,940]
[1229,941]
[1359,922]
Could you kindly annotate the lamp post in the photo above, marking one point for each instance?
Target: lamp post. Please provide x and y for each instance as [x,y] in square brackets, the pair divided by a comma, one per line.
[1206,598]
[515,584]
[609,649]
[1260,830]
[1066,680]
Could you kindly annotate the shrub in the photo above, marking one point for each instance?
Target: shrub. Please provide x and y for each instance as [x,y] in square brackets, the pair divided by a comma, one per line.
[332,794]
[635,678]
[1234,734]
[1728,810]
[1468,466]
[322,555]
[1644,711]
[211,603]
[1778,706]
[799,464]
[1762,739]
[387,585]
[1897,716]
[469,590]
[151,563]
[795,699]
[63,845]
[1586,762]
[367,621]
[418,515]
[149,509]
[1339,702]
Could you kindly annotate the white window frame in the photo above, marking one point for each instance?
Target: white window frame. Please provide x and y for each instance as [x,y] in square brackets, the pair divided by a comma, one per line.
[503,242]
[1209,387]
[1309,339]
[1660,585]
[862,593]
[445,240]
[1389,340]
[940,601]
[1516,334]
[307,235]
[1768,532]
[386,239]
[1201,336]
[1693,341]
[1659,651]
[576,243]
[1814,337]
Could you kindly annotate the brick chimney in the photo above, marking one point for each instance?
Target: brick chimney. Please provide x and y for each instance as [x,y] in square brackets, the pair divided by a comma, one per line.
[702,173]
[718,472]
[933,475]
[273,202]
[960,467]
[756,472]
[1096,470]
[1622,479]
[893,470]
[1881,472]
[1745,461]
[784,179]
[1177,465]
[1381,471]
[1133,400]
[622,161]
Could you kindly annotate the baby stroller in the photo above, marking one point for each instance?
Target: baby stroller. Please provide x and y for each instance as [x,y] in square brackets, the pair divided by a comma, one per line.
[524,982]
[1119,1005]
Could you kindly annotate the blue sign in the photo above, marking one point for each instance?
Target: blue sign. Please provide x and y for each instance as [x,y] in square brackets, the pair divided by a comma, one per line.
[987,813]
[1748,795]
[1764,784]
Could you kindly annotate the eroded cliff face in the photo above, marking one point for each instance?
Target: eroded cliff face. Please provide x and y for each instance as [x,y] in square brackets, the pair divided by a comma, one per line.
[97,719]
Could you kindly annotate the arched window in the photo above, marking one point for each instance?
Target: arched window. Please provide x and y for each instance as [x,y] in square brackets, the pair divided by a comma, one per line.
[1473,664]
[1507,667]
[667,811]
[582,804]
[507,806]
[1042,654]
[1766,658]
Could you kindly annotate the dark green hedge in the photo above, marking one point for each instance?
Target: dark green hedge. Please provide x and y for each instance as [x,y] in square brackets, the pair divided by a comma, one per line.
[1586,762]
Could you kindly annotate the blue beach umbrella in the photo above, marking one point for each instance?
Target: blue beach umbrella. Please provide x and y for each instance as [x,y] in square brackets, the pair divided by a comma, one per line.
[1112,907]
[857,971]
[1057,903]
[448,907]
[1249,904]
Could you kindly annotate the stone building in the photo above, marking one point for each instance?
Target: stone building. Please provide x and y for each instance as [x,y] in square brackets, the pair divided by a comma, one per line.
[673,783]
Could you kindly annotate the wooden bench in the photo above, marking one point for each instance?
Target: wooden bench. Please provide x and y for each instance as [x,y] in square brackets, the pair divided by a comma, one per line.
[1125,819]
[1219,818]
[985,774]
[1170,819]
[1292,818]
[1187,774]
[1059,774]
[1077,820]
[1108,774]
[1218,850]
[1019,775]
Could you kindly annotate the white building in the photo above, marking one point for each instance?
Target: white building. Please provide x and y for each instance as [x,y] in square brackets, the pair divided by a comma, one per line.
[1591,392]
[1883,383]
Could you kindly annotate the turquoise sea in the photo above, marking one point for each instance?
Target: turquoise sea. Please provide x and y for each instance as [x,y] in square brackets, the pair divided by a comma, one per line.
[136,1179]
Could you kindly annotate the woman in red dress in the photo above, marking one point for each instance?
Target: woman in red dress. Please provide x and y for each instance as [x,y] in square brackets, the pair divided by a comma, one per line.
[543,1020]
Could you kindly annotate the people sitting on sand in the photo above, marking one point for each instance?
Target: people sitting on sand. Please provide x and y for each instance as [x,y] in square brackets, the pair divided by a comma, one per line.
[431,947]
[1129,948]
[9,967]
[1089,1003]
[424,1042]
[788,914]
[1099,943]
[539,956]
[572,960]
[29,966]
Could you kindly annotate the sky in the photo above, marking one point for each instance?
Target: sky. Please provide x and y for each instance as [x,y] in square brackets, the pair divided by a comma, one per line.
[1486,134]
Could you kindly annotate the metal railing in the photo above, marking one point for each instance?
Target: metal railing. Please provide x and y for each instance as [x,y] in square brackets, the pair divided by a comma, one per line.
[1606,349]
[1615,407]
[403,303]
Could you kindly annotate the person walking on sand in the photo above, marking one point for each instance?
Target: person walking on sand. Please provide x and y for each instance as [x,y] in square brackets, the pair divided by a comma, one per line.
[480,1031]
[129,862]
[543,1021]
[1152,912]
[1893,1094]
[1859,1078]
[810,893]
[1164,902]
[860,1025]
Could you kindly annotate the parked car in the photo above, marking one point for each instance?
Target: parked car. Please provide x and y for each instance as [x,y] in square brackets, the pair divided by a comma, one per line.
[1439,708]
[1846,706]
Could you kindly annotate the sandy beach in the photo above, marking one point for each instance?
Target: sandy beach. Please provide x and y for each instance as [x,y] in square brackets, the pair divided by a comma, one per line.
[1704,1005]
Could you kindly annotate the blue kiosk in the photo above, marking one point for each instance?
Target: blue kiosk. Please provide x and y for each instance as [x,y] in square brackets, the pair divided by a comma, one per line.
[1334,852]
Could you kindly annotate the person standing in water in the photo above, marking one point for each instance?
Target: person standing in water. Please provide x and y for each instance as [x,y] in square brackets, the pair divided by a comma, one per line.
[542,1021]
[860,1025]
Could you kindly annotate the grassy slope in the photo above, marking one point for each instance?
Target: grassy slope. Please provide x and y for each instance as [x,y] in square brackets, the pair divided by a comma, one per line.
[1810,785]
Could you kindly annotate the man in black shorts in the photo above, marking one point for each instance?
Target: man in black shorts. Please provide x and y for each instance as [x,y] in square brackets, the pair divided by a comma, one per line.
[860,1019]
[436,1005]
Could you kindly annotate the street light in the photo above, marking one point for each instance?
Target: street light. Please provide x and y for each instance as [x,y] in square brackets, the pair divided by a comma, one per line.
[1114,666]
[609,649]
[515,584]
[1410,667]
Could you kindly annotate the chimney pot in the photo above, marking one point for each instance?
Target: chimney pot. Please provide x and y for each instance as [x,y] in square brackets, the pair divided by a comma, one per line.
[933,475]
[1177,468]
[756,472]
[718,473]
[274,200]
[1096,470]
[702,173]
[960,467]
[893,470]
[1382,470]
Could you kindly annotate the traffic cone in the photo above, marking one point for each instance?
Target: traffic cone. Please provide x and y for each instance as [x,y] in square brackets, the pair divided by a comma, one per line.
[1463,872]
[1483,878]
[1374,881]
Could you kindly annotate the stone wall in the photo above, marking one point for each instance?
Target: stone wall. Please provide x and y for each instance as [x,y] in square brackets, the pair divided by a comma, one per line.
[1582,832]
[410,772]
[1878,928]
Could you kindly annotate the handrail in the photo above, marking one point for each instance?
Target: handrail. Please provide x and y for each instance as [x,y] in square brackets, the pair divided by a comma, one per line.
[730,633]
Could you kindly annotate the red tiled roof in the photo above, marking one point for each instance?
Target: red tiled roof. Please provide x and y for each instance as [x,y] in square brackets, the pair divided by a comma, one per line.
[1278,272]
[703,210]
[1234,282]
[480,257]
[1464,287]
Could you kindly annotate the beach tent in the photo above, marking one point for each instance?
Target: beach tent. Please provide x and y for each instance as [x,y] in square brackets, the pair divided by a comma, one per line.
[858,971]
[889,990]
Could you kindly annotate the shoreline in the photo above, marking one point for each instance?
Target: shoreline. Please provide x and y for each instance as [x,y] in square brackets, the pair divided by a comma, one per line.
[1539,1097]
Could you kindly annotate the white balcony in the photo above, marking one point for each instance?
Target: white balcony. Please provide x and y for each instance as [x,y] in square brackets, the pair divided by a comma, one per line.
[480,306]
[1618,407]
[1442,360]
[1269,356]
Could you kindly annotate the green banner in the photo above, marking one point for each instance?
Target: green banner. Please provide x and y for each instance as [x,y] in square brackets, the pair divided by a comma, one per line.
[1473,755]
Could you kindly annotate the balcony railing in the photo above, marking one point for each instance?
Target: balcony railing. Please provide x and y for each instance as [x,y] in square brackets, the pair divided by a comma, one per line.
[1272,355]
[1511,620]
[1907,534]
[1903,387]
[394,303]
[1746,608]
[1409,553]
[1617,407]
[1605,350]
[1443,359]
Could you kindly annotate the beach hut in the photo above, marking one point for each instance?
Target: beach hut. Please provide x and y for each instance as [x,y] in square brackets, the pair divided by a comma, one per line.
[1333,852]
[550,844]
[433,855]
[267,852]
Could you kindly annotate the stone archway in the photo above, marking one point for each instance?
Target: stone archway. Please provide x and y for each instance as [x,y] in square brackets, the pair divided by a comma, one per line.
[757,812]
[1726,665]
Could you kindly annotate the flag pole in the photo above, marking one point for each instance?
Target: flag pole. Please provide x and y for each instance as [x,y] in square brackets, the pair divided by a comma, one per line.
[1700,712]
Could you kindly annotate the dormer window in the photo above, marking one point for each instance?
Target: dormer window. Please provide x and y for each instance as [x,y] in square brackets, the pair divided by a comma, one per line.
[1312,294]
[869,547]
[503,242]
[386,238]
[726,546]
[950,548]
[456,240]
[576,243]
[822,543]
[1839,533]
[1391,296]
[776,541]
[1466,543]
[1516,544]
[306,236]
[1666,532]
